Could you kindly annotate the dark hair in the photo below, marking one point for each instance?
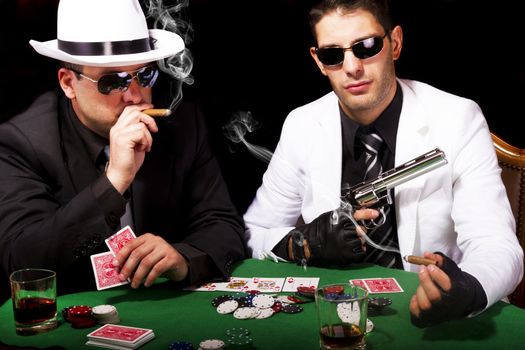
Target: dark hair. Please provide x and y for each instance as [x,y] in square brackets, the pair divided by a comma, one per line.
[378,8]
[76,68]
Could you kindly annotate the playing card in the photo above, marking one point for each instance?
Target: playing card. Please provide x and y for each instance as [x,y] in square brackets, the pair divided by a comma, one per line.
[359,283]
[236,284]
[119,239]
[291,283]
[128,337]
[265,284]
[382,285]
[106,275]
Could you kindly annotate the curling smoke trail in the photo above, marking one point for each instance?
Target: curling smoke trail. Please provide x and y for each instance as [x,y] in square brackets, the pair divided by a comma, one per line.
[180,65]
[236,129]
[241,123]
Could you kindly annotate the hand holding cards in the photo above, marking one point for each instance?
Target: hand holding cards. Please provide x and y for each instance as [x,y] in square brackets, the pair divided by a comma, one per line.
[106,274]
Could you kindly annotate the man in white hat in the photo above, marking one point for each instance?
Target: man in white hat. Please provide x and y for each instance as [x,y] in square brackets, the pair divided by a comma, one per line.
[84,161]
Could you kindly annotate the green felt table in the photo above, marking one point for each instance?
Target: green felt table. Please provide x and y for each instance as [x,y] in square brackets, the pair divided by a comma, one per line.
[181,315]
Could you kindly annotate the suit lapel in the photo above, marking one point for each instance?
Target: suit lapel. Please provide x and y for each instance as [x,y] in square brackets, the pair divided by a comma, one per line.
[412,141]
[82,170]
[326,159]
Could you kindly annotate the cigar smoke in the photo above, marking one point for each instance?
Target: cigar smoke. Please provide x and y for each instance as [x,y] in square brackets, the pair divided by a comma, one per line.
[179,66]
[239,125]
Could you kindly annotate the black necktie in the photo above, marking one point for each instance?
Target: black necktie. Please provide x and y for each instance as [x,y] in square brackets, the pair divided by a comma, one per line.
[381,235]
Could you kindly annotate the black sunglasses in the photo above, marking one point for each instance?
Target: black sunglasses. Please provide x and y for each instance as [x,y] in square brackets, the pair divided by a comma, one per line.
[333,56]
[120,82]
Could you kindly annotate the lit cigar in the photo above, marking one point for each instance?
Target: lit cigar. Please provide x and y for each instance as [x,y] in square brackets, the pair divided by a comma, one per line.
[419,260]
[157,112]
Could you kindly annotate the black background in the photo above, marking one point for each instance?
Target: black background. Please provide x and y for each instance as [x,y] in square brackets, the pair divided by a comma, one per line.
[252,55]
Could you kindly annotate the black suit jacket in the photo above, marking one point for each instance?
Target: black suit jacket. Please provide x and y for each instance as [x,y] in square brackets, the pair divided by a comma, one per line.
[56,209]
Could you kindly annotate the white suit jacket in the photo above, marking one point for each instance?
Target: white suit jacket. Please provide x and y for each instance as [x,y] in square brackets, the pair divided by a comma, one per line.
[460,209]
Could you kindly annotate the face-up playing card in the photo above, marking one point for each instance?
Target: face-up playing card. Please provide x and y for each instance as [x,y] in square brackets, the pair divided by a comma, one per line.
[119,239]
[106,275]
[291,283]
[382,285]
[120,335]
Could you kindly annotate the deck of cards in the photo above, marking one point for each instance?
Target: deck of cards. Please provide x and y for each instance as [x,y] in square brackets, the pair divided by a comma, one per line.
[107,275]
[112,336]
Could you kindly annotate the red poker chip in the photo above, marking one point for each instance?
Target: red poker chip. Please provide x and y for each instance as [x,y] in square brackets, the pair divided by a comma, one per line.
[334,290]
[81,316]
[277,307]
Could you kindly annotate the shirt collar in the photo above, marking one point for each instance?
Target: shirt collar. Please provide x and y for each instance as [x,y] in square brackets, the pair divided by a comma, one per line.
[386,124]
[94,143]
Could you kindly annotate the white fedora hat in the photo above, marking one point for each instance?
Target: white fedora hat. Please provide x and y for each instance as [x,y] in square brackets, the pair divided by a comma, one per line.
[107,33]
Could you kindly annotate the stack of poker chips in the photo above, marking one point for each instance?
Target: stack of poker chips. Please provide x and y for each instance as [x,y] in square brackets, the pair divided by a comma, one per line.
[80,316]
[105,314]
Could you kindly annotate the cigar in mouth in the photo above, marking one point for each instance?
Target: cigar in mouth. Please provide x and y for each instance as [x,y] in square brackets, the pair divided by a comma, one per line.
[157,112]
[418,260]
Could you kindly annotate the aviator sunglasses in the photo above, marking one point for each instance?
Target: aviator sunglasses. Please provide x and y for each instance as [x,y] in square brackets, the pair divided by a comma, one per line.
[333,56]
[120,81]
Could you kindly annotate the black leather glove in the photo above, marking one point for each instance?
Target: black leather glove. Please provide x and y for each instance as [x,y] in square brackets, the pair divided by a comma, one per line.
[323,243]
[465,296]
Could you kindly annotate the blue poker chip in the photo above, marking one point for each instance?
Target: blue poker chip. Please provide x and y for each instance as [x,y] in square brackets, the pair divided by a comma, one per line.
[181,345]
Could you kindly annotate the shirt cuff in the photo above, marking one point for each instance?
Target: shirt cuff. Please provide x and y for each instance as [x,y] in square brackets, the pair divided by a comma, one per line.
[200,266]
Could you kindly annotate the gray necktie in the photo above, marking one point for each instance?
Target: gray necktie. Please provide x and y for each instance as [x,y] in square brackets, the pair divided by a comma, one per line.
[382,235]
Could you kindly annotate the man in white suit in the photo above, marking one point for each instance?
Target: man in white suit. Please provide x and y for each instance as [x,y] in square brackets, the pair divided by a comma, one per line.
[457,215]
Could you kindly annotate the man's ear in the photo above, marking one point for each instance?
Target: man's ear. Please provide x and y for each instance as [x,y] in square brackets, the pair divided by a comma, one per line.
[67,80]
[397,42]
[316,59]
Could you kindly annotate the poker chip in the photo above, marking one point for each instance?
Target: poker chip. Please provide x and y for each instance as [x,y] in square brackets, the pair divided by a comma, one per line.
[291,309]
[80,316]
[244,313]
[227,307]
[263,301]
[220,299]
[104,314]
[211,344]
[181,345]
[237,332]
[240,343]
[369,325]
[338,289]
[244,301]
[277,307]
[349,312]
[264,313]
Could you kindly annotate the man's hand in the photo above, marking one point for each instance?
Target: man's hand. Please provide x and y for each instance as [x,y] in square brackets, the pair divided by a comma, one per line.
[129,139]
[444,292]
[329,240]
[147,257]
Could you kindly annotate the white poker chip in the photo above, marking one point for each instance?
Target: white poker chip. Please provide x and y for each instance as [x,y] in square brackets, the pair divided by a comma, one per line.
[256,312]
[284,299]
[103,309]
[263,301]
[369,325]
[211,344]
[349,312]
[104,314]
[244,313]
[265,313]
[227,307]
